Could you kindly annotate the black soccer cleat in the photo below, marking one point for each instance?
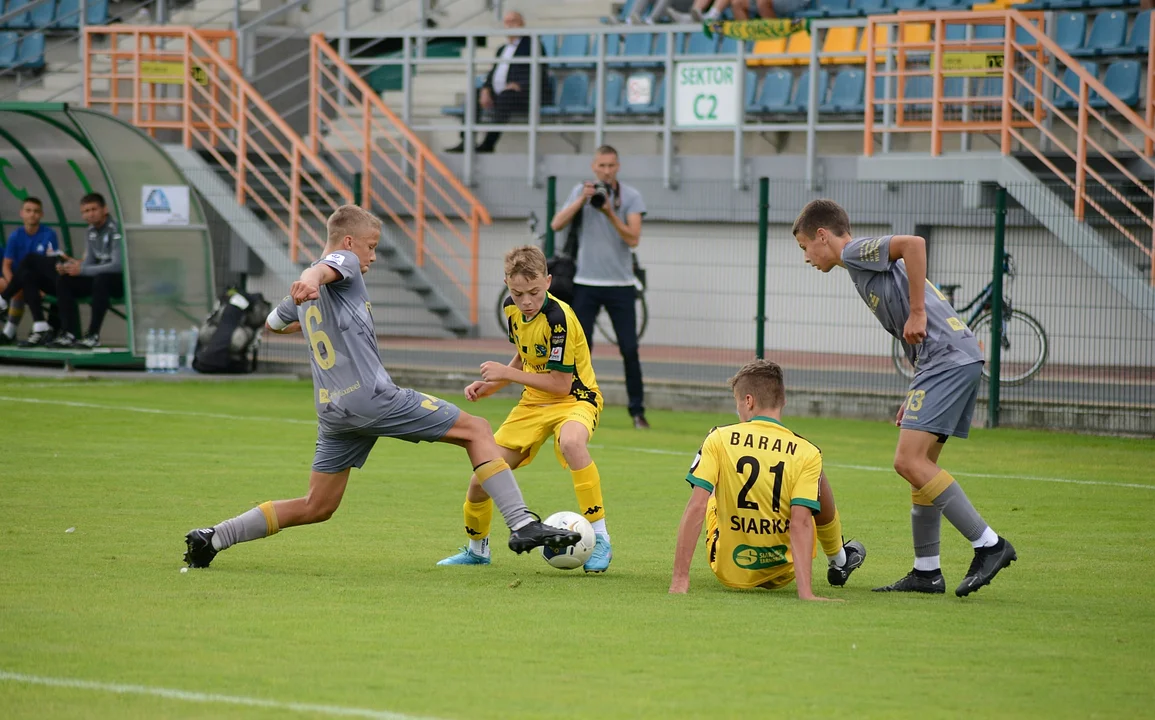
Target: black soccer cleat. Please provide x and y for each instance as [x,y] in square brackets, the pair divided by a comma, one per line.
[200,551]
[987,563]
[855,556]
[930,582]
[538,533]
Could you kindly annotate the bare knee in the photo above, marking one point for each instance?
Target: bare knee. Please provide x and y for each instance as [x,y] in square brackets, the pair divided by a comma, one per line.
[905,463]
[320,509]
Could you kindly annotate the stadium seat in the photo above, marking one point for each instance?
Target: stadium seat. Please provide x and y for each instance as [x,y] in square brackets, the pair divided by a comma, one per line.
[31,54]
[870,7]
[846,95]
[68,13]
[989,32]
[549,45]
[574,98]
[917,87]
[802,92]
[1107,35]
[777,87]
[21,21]
[906,4]
[956,32]
[636,45]
[9,44]
[1140,36]
[1068,100]
[657,102]
[574,46]
[773,47]
[698,44]
[943,5]
[459,110]
[842,39]
[613,44]
[615,92]
[798,44]
[751,91]
[913,33]
[1122,79]
[41,16]
[823,8]
[1070,28]
[729,46]
[623,15]
[953,87]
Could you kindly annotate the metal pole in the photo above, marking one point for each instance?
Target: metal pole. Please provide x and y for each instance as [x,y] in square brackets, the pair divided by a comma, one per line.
[550,211]
[668,116]
[600,92]
[996,339]
[240,34]
[740,127]
[470,108]
[534,109]
[763,238]
[80,23]
[812,110]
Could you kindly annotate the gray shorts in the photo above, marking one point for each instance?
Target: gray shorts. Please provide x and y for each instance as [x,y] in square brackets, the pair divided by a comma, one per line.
[412,416]
[943,403]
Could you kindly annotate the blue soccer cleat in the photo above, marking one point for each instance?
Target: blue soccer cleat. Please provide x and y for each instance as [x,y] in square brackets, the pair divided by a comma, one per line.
[599,561]
[465,557]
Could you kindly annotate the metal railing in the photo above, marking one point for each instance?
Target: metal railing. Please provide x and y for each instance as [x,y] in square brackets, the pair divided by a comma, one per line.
[1029,105]
[219,113]
[399,175]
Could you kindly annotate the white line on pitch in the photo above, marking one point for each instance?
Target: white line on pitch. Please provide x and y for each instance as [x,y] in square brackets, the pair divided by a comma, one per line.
[197,697]
[652,451]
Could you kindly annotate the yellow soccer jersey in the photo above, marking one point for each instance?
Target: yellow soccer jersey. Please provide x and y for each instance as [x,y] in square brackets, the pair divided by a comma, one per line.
[756,471]
[553,340]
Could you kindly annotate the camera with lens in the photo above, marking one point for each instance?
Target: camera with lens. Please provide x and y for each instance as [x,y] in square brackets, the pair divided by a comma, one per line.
[601,194]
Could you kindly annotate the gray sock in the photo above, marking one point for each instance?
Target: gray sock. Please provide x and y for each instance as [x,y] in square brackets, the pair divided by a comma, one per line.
[957,508]
[244,527]
[507,497]
[925,524]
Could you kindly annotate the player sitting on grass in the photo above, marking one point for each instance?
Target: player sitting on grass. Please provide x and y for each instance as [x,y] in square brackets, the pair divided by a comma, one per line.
[561,398]
[357,402]
[890,274]
[762,492]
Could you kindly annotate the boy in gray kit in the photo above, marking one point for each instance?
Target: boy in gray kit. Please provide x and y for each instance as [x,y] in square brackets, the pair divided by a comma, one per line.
[357,402]
[890,275]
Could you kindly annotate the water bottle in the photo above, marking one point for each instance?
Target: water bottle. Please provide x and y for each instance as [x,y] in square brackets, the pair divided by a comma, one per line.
[173,349]
[191,347]
[150,358]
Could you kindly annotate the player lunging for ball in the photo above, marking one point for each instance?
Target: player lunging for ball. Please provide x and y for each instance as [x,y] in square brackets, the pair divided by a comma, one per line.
[357,402]
[890,274]
[762,493]
[561,399]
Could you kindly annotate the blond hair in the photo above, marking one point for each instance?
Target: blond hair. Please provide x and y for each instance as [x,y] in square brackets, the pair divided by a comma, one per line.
[526,261]
[352,221]
[761,379]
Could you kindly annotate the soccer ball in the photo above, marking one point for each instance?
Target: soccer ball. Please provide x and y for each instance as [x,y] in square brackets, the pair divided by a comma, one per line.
[572,557]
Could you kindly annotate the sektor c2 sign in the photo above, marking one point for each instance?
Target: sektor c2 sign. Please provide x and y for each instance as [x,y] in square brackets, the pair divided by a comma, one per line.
[706,94]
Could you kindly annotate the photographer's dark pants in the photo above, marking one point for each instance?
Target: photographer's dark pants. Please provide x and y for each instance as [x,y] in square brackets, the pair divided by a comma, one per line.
[102,288]
[620,304]
[505,105]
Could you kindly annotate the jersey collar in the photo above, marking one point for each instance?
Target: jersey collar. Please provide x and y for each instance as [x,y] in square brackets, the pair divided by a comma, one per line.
[766,419]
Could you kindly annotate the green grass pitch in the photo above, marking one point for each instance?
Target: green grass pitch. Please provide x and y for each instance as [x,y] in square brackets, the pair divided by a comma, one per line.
[352,614]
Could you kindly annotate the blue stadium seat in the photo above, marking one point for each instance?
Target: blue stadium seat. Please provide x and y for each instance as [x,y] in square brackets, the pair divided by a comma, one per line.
[856,9]
[729,46]
[1122,78]
[906,4]
[802,92]
[751,91]
[954,87]
[21,21]
[918,87]
[777,88]
[639,44]
[623,16]
[1068,100]
[42,15]
[549,45]
[942,5]
[1023,95]
[1107,35]
[871,7]
[956,32]
[9,43]
[823,8]
[1070,29]
[989,32]
[846,95]
[1140,35]
[459,110]
[68,13]
[615,92]
[574,98]
[699,44]
[31,54]
[573,47]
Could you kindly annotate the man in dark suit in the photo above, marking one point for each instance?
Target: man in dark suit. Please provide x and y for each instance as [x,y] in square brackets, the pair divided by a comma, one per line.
[506,89]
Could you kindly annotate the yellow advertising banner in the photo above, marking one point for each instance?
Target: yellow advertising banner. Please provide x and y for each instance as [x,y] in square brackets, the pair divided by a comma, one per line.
[170,73]
[972,63]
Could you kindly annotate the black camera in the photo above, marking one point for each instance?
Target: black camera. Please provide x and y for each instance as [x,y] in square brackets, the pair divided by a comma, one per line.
[601,194]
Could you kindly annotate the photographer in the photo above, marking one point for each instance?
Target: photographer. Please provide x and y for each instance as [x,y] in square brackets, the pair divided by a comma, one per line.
[606,218]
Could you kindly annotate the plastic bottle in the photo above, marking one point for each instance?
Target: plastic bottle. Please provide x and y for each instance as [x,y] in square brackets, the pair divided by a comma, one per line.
[193,336]
[173,349]
[150,358]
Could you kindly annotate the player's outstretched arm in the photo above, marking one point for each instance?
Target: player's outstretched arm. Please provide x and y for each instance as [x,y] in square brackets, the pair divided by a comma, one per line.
[555,382]
[911,249]
[483,389]
[309,286]
[689,530]
[802,547]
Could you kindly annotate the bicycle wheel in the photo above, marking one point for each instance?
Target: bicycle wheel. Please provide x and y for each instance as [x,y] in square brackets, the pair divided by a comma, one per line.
[642,316]
[901,364]
[502,326]
[1024,346]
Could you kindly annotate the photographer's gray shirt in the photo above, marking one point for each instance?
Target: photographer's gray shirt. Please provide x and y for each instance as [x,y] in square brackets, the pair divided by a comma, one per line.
[603,258]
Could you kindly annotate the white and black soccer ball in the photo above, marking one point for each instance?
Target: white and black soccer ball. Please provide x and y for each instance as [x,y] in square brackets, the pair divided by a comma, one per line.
[572,557]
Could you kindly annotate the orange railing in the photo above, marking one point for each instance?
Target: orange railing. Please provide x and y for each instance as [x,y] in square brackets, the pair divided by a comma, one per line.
[213,109]
[439,218]
[1021,104]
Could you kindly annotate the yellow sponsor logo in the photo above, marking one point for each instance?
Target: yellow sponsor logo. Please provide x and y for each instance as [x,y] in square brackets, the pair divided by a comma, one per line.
[972,63]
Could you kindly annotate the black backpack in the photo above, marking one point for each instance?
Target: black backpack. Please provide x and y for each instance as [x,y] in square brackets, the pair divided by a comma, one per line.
[230,337]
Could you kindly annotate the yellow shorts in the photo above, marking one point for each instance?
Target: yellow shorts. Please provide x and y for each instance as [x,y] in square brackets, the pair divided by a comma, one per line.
[529,426]
[773,579]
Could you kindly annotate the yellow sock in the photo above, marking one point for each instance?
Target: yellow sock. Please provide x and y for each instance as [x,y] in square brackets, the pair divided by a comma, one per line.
[830,536]
[937,485]
[270,514]
[587,484]
[487,470]
[478,517]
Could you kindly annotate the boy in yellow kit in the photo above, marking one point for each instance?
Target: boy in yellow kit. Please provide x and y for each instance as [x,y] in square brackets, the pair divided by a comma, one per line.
[561,398]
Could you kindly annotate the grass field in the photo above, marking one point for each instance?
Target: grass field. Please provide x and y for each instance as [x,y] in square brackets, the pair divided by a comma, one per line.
[352,614]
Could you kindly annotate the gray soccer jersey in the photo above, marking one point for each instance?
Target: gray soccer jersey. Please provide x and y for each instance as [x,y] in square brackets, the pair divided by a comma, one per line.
[350,385]
[884,285]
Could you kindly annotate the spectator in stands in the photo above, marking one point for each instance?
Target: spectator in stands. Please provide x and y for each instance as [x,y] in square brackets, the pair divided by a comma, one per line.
[100,274]
[30,249]
[506,89]
[651,11]
[781,8]
[607,217]
[705,10]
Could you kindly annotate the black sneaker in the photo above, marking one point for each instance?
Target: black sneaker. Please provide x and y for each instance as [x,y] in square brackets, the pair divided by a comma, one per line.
[855,556]
[930,582]
[91,341]
[64,340]
[200,551]
[38,339]
[538,533]
[5,340]
[987,563]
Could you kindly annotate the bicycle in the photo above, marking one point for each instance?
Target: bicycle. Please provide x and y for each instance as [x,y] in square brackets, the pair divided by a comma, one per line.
[1024,341]
[602,323]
